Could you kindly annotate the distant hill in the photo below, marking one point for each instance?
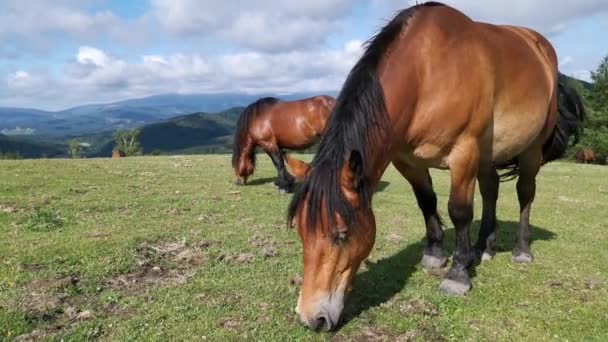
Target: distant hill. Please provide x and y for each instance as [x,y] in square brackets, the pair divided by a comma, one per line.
[585,84]
[192,133]
[30,149]
[96,118]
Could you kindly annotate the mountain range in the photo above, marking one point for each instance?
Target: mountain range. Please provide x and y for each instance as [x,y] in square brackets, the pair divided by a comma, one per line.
[95,118]
[166,122]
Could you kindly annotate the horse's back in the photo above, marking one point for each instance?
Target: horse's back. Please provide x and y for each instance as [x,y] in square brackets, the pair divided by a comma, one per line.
[293,124]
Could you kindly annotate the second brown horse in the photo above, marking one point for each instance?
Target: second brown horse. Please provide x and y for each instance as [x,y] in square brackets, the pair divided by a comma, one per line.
[274,125]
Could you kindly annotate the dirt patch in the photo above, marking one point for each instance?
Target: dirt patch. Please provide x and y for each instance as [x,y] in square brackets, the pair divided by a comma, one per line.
[56,306]
[367,334]
[295,281]
[162,263]
[34,267]
[217,300]
[419,307]
[267,246]
[48,305]
[211,218]
[229,323]
[236,259]
[394,238]
[7,209]
[594,284]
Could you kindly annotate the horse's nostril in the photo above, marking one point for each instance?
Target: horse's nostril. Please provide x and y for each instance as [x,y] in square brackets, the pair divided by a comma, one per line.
[322,323]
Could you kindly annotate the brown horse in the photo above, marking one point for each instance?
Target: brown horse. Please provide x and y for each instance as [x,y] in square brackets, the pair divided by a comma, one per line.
[433,89]
[274,125]
[585,156]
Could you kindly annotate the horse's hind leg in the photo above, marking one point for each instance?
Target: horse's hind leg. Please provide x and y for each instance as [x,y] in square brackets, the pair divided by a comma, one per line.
[421,182]
[529,165]
[464,163]
[488,186]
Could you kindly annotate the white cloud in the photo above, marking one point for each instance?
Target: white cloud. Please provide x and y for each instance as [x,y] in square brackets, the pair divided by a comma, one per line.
[547,16]
[95,76]
[261,25]
[566,61]
[89,55]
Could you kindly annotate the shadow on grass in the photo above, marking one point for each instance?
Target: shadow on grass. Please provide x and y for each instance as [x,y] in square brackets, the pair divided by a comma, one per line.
[388,276]
[262,181]
[382,186]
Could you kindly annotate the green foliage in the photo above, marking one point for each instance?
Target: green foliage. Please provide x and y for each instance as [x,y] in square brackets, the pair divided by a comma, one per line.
[75,149]
[10,155]
[27,147]
[43,220]
[595,99]
[128,142]
[599,93]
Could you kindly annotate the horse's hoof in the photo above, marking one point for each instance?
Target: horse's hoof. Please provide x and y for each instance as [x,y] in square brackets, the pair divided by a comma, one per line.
[487,255]
[431,262]
[522,258]
[239,182]
[285,191]
[454,288]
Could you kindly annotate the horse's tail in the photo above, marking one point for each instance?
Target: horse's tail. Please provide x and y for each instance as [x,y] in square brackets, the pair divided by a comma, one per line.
[569,123]
[571,114]
[241,131]
[297,168]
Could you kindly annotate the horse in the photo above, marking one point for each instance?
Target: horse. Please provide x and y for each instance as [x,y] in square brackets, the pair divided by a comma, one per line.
[117,154]
[585,156]
[274,125]
[433,89]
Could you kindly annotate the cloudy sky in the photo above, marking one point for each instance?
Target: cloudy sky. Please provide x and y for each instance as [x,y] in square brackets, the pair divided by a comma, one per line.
[60,53]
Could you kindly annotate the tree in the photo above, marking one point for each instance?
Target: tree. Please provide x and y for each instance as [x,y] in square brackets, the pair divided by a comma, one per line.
[128,142]
[595,135]
[75,149]
[599,93]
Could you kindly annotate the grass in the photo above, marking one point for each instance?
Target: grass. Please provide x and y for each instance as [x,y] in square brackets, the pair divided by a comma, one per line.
[166,248]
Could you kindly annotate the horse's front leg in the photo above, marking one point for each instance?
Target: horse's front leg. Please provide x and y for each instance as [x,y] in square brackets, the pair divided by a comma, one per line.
[285,181]
[464,162]
[420,180]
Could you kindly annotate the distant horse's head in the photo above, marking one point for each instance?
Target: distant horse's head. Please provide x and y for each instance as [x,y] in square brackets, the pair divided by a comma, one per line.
[243,166]
[337,229]
[243,148]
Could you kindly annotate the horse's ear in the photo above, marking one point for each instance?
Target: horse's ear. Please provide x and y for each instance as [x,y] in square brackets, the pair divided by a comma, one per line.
[353,170]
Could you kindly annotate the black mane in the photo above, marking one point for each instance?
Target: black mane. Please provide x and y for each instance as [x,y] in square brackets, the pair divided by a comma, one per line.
[358,120]
[242,127]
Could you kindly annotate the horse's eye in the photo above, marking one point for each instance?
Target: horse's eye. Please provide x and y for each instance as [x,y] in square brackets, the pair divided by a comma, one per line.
[340,238]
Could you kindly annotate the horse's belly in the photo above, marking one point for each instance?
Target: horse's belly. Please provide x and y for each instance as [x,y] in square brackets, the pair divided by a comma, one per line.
[513,132]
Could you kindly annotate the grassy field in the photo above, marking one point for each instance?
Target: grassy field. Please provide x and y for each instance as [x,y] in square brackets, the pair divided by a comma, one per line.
[166,248]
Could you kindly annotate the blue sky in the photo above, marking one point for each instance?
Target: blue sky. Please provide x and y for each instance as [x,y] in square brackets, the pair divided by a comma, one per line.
[62,53]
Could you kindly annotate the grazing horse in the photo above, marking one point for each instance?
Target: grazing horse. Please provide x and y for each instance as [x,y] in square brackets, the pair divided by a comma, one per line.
[273,125]
[433,89]
[585,156]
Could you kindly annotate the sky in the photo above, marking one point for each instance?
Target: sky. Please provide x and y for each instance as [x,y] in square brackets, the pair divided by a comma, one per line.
[55,54]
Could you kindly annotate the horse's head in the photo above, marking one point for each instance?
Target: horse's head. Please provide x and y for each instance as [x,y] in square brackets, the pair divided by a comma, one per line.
[243,165]
[337,229]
